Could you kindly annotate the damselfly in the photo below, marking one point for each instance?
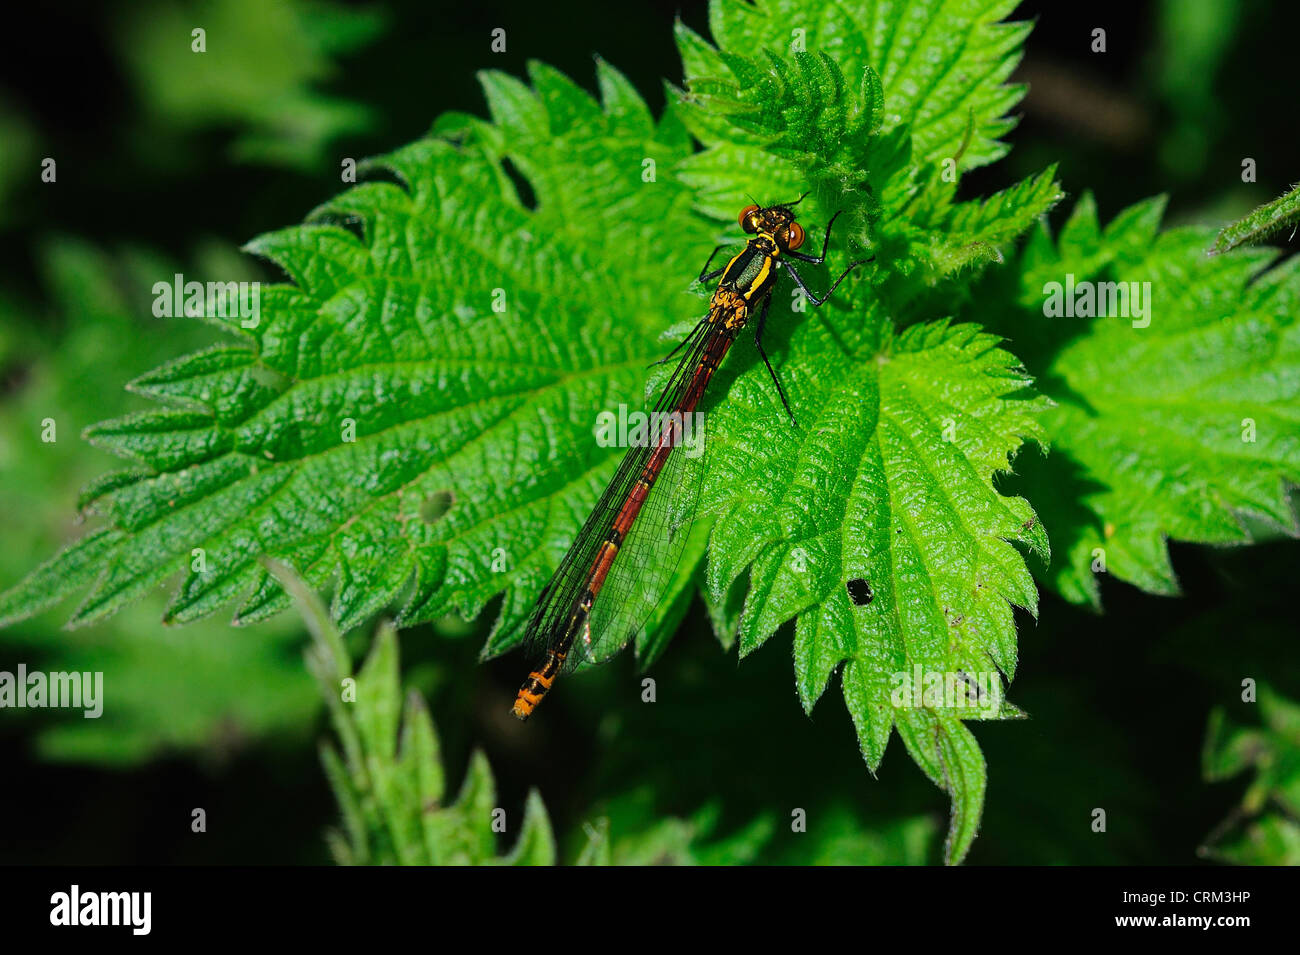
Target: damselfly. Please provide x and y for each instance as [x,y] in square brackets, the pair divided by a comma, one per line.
[614,572]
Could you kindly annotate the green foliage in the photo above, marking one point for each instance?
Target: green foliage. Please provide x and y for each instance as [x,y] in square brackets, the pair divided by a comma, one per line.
[1267,220]
[445,393]
[395,332]
[842,840]
[410,419]
[942,63]
[1181,429]
[847,117]
[1272,839]
[668,841]
[870,488]
[261,71]
[388,779]
[1265,828]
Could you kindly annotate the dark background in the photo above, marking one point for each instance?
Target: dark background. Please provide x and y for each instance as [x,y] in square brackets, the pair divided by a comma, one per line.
[1119,703]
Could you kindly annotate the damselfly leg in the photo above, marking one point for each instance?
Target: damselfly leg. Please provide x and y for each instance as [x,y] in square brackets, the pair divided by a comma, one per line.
[758,343]
[826,244]
[705,276]
[818,260]
[710,276]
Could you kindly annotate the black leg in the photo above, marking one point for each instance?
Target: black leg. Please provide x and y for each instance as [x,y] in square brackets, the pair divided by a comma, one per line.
[705,276]
[711,275]
[826,244]
[758,343]
[794,274]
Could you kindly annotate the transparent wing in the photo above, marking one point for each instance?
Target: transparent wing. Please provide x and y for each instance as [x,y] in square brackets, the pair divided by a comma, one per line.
[648,556]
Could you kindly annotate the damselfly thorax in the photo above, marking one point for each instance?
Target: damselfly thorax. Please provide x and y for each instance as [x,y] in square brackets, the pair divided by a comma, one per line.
[618,568]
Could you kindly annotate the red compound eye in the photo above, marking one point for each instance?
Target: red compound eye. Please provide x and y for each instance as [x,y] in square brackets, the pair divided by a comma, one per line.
[795,236]
[746,220]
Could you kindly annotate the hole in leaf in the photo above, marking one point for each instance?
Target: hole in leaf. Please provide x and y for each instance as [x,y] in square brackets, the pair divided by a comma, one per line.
[860,591]
[523,188]
[434,507]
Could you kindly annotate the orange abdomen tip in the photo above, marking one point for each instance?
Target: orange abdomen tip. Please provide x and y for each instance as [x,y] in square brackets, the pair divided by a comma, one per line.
[530,694]
[523,707]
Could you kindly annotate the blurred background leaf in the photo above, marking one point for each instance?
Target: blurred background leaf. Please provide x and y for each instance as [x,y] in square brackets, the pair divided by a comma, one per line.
[259,74]
[1264,829]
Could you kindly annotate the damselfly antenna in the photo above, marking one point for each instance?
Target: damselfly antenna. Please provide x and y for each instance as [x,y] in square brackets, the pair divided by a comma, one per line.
[787,205]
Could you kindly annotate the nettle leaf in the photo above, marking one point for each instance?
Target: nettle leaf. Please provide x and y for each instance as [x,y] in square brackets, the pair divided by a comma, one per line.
[1181,423]
[836,109]
[943,63]
[888,481]
[388,778]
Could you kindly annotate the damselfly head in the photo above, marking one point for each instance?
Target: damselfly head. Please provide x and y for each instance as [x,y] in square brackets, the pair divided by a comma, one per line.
[776,221]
